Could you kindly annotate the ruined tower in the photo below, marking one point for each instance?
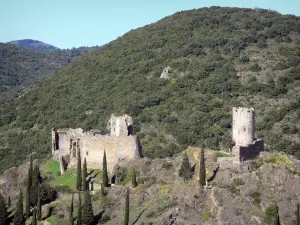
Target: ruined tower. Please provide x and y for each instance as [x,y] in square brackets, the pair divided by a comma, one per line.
[246,146]
[243,126]
[120,125]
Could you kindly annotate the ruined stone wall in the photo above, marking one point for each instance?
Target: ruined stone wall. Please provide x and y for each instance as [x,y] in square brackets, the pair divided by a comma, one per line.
[243,126]
[67,142]
[251,151]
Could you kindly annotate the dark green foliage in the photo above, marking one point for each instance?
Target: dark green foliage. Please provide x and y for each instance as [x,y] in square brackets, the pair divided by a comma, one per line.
[36,180]
[202,172]
[79,178]
[47,193]
[39,204]
[185,170]
[87,210]
[79,213]
[126,218]
[204,45]
[105,174]
[3,211]
[133,179]
[298,214]
[71,211]
[19,215]
[28,186]
[84,176]
[34,222]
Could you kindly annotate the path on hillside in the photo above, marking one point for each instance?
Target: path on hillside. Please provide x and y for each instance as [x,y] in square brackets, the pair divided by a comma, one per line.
[215,209]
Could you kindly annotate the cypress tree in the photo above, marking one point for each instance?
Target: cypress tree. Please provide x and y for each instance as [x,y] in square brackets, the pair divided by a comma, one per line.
[185,169]
[202,172]
[84,175]
[8,202]
[30,171]
[34,217]
[36,179]
[71,211]
[27,203]
[133,181]
[3,211]
[102,189]
[276,219]
[126,219]
[79,178]
[39,205]
[87,210]
[18,217]
[298,214]
[79,216]
[105,176]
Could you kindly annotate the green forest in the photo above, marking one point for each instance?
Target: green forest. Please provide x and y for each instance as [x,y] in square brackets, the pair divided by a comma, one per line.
[219,58]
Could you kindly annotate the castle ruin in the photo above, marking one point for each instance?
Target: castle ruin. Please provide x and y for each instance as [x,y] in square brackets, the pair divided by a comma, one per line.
[246,146]
[120,145]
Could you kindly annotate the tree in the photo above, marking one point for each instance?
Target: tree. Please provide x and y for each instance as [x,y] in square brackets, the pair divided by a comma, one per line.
[36,180]
[87,210]
[18,218]
[185,169]
[102,189]
[39,205]
[126,219]
[27,203]
[298,214]
[79,178]
[79,215]
[276,219]
[3,211]
[84,175]
[71,211]
[133,181]
[30,170]
[34,217]
[202,172]
[104,175]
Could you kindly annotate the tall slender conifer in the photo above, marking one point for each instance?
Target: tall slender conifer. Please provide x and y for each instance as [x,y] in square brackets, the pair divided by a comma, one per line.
[105,175]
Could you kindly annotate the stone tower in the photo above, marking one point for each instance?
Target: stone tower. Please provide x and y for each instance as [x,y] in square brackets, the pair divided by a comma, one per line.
[120,125]
[243,130]
[246,146]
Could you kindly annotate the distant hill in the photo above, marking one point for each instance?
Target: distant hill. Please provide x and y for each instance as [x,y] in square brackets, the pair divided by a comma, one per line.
[33,44]
[214,59]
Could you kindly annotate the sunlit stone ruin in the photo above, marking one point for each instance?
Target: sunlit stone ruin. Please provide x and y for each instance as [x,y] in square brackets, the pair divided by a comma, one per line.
[246,146]
[120,145]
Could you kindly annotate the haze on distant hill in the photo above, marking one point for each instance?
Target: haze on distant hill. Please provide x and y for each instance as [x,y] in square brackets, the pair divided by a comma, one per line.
[34,44]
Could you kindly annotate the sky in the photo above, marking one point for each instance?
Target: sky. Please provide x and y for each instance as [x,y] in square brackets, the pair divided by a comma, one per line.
[75,23]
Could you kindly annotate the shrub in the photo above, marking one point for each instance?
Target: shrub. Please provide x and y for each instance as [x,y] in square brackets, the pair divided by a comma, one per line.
[238,182]
[278,159]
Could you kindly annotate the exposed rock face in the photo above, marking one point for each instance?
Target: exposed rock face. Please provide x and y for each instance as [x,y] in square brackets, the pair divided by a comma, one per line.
[165,73]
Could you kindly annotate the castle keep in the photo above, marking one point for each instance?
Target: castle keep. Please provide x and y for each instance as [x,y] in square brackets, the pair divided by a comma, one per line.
[120,145]
[246,146]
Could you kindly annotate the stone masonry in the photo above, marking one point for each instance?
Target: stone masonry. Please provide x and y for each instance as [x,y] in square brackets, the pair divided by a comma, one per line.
[246,146]
[120,145]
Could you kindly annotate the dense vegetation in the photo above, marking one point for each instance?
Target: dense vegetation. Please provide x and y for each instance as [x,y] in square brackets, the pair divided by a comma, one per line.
[219,58]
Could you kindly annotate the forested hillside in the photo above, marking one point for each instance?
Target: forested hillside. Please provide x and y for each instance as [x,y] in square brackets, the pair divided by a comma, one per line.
[34,44]
[218,58]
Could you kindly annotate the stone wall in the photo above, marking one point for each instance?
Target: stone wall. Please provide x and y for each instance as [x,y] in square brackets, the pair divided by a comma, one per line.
[120,145]
[248,152]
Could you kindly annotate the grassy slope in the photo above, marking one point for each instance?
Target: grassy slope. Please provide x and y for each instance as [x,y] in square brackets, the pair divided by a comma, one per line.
[220,57]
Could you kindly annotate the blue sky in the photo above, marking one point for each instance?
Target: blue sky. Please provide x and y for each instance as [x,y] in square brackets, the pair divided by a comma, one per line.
[74,23]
